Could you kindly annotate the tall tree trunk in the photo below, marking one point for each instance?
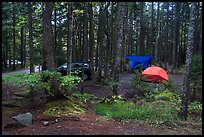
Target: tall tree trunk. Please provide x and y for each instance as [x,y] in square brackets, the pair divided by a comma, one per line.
[124,41]
[196,41]
[113,36]
[6,49]
[120,17]
[55,31]
[85,38]
[176,35]
[130,37]
[85,34]
[100,42]
[158,36]
[172,35]
[142,30]
[44,62]
[188,63]
[30,37]
[49,47]
[200,43]
[22,44]
[79,33]
[107,46]
[49,44]
[70,37]
[14,38]
[166,57]
[91,43]
[24,49]
[152,30]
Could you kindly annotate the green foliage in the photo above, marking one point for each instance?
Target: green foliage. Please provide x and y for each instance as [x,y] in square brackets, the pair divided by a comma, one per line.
[69,81]
[141,85]
[49,74]
[112,83]
[112,99]
[195,106]
[22,79]
[196,65]
[195,109]
[42,81]
[82,97]
[78,11]
[166,95]
[196,79]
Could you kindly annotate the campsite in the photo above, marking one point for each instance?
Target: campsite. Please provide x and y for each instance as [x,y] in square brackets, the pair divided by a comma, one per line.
[101,68]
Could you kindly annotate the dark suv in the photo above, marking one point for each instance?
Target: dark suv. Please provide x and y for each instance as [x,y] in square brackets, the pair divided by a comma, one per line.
[76,67]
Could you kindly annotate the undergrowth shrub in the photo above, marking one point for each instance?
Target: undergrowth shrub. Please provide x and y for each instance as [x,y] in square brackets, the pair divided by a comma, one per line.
[43,81]
[82,97]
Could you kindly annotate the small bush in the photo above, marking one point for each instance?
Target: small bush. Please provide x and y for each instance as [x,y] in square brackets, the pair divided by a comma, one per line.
[42,81]
[166,95]
[141,86]
[196,79]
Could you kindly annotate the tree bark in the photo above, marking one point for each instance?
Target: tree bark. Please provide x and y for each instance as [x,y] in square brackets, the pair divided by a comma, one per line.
[22,45]
[196,37]
[85,34]
[30,37]
[142,30]
[176,35]
[48,39]
[14,38]
[188,63]
[152,30]
[107,46]
[121,14]
[44,62]
[100,42]
[158,36]
[200,43]
[91,43]
[55,31]
[70,37]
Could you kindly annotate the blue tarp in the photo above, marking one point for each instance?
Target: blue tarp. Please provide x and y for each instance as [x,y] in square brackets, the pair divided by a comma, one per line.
[136,61]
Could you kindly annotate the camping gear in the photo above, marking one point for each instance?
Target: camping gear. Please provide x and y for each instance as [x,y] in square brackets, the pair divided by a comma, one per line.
[137,62]
[154,74]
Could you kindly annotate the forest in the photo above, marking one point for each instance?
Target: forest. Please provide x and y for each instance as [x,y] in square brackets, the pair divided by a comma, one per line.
[100,35]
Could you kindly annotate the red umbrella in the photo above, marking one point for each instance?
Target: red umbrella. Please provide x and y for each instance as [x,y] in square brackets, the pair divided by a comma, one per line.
[154,74]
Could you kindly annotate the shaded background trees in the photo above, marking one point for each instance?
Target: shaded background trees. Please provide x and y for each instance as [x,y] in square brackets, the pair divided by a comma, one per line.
[159,29]
[150,28]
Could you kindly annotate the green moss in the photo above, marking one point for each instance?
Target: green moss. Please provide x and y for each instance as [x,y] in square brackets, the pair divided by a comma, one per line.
[62,107]
[66,107]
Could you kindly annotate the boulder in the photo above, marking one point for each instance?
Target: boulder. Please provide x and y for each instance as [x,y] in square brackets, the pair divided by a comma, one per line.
[24,119]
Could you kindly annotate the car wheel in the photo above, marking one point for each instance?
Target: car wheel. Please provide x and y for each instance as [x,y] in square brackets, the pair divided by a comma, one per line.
[84,76]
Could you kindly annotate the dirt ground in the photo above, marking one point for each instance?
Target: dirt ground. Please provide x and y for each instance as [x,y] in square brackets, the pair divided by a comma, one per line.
[91,123]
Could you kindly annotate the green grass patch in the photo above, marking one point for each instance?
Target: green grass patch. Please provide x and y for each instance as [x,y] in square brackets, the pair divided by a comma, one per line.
[157,110]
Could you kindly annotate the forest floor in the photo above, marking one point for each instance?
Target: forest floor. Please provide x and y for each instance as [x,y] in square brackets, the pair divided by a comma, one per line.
[91,123]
